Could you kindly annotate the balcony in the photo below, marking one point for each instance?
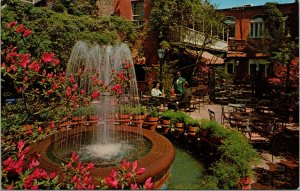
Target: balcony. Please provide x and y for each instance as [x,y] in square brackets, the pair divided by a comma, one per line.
[237,45]
[31,1]
[191,37]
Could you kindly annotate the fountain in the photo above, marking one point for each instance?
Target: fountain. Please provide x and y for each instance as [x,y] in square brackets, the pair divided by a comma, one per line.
[107,141]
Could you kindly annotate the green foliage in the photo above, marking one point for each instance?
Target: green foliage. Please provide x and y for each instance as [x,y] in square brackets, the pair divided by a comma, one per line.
[60,31]
[125,109]
[153,112]
[168,114]
[139,109]
[179,117]
[192,122]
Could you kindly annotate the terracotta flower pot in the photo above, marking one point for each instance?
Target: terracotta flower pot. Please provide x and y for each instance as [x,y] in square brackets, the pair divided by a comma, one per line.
[179,125]
[192,129]
[165,121]
[151,118]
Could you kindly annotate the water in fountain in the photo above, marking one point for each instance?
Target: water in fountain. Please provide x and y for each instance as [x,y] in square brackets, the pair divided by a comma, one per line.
[103,141]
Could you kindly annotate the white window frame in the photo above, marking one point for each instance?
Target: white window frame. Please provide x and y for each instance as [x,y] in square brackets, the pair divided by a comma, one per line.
[233,67]
[255,62]
[256,28]
[132,11]
[231,21]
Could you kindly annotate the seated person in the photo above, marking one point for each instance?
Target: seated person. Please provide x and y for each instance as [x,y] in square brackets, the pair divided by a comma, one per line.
[156,91]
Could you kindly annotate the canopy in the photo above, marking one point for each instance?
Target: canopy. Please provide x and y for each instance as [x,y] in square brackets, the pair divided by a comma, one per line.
[206,57]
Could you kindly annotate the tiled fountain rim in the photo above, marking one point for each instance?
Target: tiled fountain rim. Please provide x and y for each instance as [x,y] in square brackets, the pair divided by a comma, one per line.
[157,162]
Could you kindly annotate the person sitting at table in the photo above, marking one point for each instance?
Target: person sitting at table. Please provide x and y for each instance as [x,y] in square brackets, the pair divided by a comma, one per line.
[156,91]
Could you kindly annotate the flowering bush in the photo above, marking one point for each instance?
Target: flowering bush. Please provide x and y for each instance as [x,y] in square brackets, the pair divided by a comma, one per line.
[44,94]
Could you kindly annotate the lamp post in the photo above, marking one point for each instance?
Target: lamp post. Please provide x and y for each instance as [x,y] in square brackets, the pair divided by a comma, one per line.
[161,53]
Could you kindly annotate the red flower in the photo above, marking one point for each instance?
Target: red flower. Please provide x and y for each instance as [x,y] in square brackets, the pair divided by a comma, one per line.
[140,171]
[24,60]
[82,92]
[134,165]
[95,94]
[134,186]
[34,163]
[27,33]
[11,24]
[52,125]
[35,66]
[125,164]
[91,187]
[21,144]
[52,175]
[34,187]
[55,62]
[90,166]
[20,28]
[55,85]
[25,79]
[75,87]
[12,67]
[47,57]
[10,187]
[148,184]
[74,158]
[74,179]
[68,91]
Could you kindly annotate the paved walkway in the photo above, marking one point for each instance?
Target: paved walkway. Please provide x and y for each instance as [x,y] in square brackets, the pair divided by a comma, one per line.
[279,167]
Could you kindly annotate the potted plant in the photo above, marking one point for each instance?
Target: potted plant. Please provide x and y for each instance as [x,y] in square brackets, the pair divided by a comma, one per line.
[124,112]
[192,125]
[166,117]
[138,116]
[179,119]
[152,118]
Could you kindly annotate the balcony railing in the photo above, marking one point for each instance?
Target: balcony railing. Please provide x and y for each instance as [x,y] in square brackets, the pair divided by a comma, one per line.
[31,1]
[195,38]
[237,45]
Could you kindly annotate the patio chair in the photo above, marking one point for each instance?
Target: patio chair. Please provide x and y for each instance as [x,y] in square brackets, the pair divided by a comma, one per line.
[224,116]
[212,115]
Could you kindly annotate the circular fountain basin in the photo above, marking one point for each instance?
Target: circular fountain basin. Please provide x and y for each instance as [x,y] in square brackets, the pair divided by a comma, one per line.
[156,157]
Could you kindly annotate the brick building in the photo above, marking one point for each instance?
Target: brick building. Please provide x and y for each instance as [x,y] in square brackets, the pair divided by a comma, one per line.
[246,26]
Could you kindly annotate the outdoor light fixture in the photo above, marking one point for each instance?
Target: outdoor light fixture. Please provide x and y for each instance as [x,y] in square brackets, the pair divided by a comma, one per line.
[161,53]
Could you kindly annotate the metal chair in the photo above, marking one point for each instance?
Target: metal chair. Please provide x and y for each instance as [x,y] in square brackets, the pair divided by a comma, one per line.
[224,117]
[212,115]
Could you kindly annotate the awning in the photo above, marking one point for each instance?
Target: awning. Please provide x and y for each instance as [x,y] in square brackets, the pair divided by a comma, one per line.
[206,57]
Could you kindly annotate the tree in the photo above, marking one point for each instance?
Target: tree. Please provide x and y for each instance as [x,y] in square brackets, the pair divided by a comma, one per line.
[195,19]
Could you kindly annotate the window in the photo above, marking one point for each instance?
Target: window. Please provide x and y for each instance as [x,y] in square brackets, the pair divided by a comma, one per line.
[257,66]
[137,11]
[256,27]
[230,22]
[230,68]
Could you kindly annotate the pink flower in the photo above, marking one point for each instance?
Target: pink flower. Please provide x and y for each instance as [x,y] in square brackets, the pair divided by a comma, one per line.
[74,158]
[24,60]
[35,66]
[95,94]
[91,187]
[125,164]
[74,179]
[12,67]
[134,165]
[140,171]
[34,187]
[52,125]
[90,166]
[134,186]
[27,33]
[25,79]
[55,85]
[68,91]
[75,87]
[82,91]
[47,57]
[10,187]
[148,184]
[52,175]
[34,163]
[128,175]
[11,24]
[21,145]
[55,62]
[20,28]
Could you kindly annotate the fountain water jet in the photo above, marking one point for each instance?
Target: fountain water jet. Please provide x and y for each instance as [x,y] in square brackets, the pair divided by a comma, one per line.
[107,142]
